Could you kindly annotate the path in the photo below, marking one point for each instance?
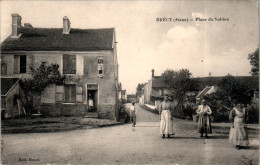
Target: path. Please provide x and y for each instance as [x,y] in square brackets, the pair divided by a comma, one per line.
[123,145]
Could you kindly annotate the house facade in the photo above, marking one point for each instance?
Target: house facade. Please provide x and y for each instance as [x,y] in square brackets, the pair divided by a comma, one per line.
[88,58]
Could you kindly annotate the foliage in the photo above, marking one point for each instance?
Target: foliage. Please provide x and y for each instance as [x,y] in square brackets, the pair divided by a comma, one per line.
[181,83]
[40,79]
[254,61]
[229,91]
[139,89]
[232,90]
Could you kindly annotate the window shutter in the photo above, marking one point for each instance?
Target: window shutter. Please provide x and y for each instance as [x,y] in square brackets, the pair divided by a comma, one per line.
[66,64]
[30,62]
[59,93]
[16,64]
[79,94]
[73,93]
[73,64]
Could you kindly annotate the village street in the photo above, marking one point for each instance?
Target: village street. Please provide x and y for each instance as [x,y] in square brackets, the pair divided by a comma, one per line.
[124,145]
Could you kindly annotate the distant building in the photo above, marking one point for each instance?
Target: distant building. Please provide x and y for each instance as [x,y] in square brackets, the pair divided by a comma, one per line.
[155,89]
[88,57]
[131,98]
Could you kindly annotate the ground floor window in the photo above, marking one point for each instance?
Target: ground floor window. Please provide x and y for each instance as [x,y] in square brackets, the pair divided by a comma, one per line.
[70,93]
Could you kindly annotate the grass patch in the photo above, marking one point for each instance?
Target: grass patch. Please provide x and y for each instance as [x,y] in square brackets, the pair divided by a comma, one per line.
[52,124]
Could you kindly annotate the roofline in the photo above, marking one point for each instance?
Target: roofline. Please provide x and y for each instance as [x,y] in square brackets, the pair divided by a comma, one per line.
[54,51]
[10,88]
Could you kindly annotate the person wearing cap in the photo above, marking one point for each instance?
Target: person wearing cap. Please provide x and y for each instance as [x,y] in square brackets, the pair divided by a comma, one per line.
[133,114]
[204,123]
[166,118]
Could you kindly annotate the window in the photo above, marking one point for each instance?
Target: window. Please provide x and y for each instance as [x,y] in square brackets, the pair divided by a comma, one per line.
[100,60]
[69,64]
[70,93]
[19,64]
[22,64]
[100,67]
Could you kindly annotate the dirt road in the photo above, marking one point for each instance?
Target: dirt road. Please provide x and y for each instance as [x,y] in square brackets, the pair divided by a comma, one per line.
[124,145]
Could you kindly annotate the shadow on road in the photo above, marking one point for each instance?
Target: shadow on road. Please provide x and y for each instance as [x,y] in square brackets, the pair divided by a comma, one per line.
[147,126]
[186,137]
[253,148]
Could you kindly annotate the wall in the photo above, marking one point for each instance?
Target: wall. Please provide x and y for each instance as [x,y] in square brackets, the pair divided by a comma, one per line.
[87,73]
[9,60]
[11,104]
[147,92]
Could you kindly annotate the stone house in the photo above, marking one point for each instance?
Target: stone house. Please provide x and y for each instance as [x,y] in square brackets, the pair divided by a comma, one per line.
[154,90]
[88,58]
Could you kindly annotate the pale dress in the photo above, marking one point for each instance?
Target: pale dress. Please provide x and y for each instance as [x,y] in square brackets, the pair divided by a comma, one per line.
[166,122]
[204,123]
[238,135]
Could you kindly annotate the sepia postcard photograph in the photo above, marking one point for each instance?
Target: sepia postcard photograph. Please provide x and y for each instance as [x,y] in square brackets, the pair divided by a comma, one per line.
[143,82]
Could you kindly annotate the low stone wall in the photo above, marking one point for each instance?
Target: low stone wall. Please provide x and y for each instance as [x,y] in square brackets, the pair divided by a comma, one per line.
[107,111]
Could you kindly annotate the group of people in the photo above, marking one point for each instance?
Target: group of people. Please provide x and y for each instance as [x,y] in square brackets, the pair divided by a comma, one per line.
[238,132]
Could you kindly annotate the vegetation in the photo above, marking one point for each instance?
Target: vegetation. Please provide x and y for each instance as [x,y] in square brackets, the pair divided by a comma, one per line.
[181,83]
[40,79]
[139,89]
[254,61]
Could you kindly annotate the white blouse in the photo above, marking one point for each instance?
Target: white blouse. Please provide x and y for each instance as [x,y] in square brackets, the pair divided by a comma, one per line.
[204,110]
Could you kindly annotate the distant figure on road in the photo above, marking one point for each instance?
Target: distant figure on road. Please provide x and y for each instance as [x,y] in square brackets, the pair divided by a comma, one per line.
[133,114]
[204,123]
[166,118]
[238,133]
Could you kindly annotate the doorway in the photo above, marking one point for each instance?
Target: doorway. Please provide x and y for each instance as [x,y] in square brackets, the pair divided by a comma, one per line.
[92,100]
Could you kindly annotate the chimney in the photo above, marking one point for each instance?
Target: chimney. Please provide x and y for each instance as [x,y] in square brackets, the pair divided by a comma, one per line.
[28,25]
[66,25]
[16,25]
[152,73]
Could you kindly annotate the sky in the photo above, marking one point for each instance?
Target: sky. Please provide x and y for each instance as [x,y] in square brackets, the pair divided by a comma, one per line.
[203,47]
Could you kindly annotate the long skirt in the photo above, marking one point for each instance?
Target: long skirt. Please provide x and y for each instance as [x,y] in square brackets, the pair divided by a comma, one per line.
[166,123]
[204,124]
[239,135]
[133,118]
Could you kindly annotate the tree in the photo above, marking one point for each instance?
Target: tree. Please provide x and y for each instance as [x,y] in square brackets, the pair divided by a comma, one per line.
[234,90]
[254,61]
[40,79]
[181,83]
[139,89]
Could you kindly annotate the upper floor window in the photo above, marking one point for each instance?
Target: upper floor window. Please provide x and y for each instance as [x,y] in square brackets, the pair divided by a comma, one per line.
[100,67]
[100,60]
[19,64]
[69,64]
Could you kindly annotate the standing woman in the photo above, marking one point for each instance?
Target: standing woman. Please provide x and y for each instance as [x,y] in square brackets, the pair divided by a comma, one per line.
[133,114]
[238,133]
[204,123]
[166,122]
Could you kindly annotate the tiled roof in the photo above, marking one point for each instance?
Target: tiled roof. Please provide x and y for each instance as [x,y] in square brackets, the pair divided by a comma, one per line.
[204,91]
[52,39]
[252,82]
[7,84]
[157,82]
